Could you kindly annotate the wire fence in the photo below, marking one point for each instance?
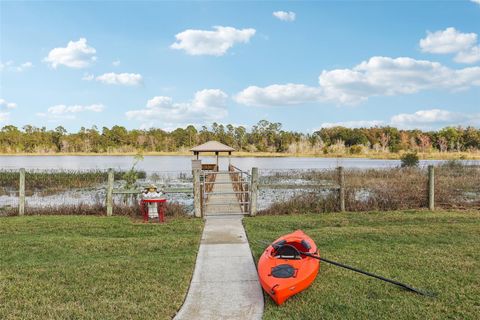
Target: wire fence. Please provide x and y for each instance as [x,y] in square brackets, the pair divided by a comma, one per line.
[456,186]
[393,189]
[65,192]
[291,186]
[9,186]
[300,191]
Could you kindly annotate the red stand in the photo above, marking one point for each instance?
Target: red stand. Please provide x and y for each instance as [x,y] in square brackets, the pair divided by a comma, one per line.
[160,208]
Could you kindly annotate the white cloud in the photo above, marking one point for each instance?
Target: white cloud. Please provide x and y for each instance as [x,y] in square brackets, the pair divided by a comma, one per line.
[4,104]
[279,95]
[215,43]
[451,40]
[470,56]
[4,116]
[88,77]
[64,112]
[10,65]
[430,119]
[284,15]
[447,41]
[354,124]
[2,66]
[126,79]
[384,76]
[116,63]
[433,118]
[425,117]
[62,109]
[77,54]
[207,105]
[378,76]
[24,66]
[476,1]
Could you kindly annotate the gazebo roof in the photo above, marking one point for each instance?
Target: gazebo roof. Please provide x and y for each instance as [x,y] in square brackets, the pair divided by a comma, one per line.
[212,146]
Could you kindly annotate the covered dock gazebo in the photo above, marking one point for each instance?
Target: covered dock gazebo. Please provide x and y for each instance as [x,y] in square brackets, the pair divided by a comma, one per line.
[210,147]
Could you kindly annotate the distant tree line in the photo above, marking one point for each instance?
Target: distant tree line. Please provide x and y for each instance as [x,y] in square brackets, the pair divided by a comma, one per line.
[265,136]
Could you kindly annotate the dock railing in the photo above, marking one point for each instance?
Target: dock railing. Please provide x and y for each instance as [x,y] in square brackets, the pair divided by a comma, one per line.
[241,185]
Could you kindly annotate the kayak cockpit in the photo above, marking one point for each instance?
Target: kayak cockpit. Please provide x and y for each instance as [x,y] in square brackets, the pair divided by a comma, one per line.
[293,249]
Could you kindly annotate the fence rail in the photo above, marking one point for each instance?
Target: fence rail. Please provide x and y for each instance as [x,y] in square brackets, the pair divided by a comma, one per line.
[447,185]
[55,192]
[95,192]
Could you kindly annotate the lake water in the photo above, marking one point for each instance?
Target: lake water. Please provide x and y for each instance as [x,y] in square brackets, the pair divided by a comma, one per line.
[183,163]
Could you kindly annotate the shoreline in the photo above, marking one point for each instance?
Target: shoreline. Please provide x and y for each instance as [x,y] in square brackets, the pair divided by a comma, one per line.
[243,154]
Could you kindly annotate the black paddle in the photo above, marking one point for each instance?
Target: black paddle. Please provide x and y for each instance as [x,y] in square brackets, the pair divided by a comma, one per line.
[338,264]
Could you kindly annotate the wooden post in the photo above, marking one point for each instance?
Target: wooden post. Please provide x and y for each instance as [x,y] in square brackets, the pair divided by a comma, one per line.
[341,182]
[197,203]
[202,198]
[254,192]
[431,188]
[21,193]
[245,197]
[110,192]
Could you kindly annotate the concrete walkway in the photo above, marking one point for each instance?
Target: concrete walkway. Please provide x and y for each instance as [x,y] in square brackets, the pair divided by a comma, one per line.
[225,282]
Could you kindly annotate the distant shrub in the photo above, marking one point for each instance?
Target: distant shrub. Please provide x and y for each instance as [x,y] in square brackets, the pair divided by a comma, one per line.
[410,159]
[395,148]
[356,149]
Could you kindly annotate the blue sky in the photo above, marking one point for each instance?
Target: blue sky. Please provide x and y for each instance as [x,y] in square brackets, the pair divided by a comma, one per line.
[305,64]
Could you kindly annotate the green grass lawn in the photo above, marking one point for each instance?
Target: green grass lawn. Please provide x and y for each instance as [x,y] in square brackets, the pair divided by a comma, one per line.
[78,267]
[438,252]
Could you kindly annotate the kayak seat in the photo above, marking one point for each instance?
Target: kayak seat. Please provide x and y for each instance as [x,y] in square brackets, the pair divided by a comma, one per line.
[287,251]
[306,245]
[278,244]
[283,271]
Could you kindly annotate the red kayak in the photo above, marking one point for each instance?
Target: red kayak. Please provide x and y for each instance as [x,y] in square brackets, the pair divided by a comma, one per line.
[283,269]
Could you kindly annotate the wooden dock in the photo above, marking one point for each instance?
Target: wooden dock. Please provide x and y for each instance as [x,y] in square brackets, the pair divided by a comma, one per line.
[222,200]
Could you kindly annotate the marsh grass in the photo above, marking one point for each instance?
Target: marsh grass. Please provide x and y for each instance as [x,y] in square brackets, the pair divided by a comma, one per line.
[173,209]
[457,186]
[391,189]
[58,267]
[56,180]
[434,251]
[86,194]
